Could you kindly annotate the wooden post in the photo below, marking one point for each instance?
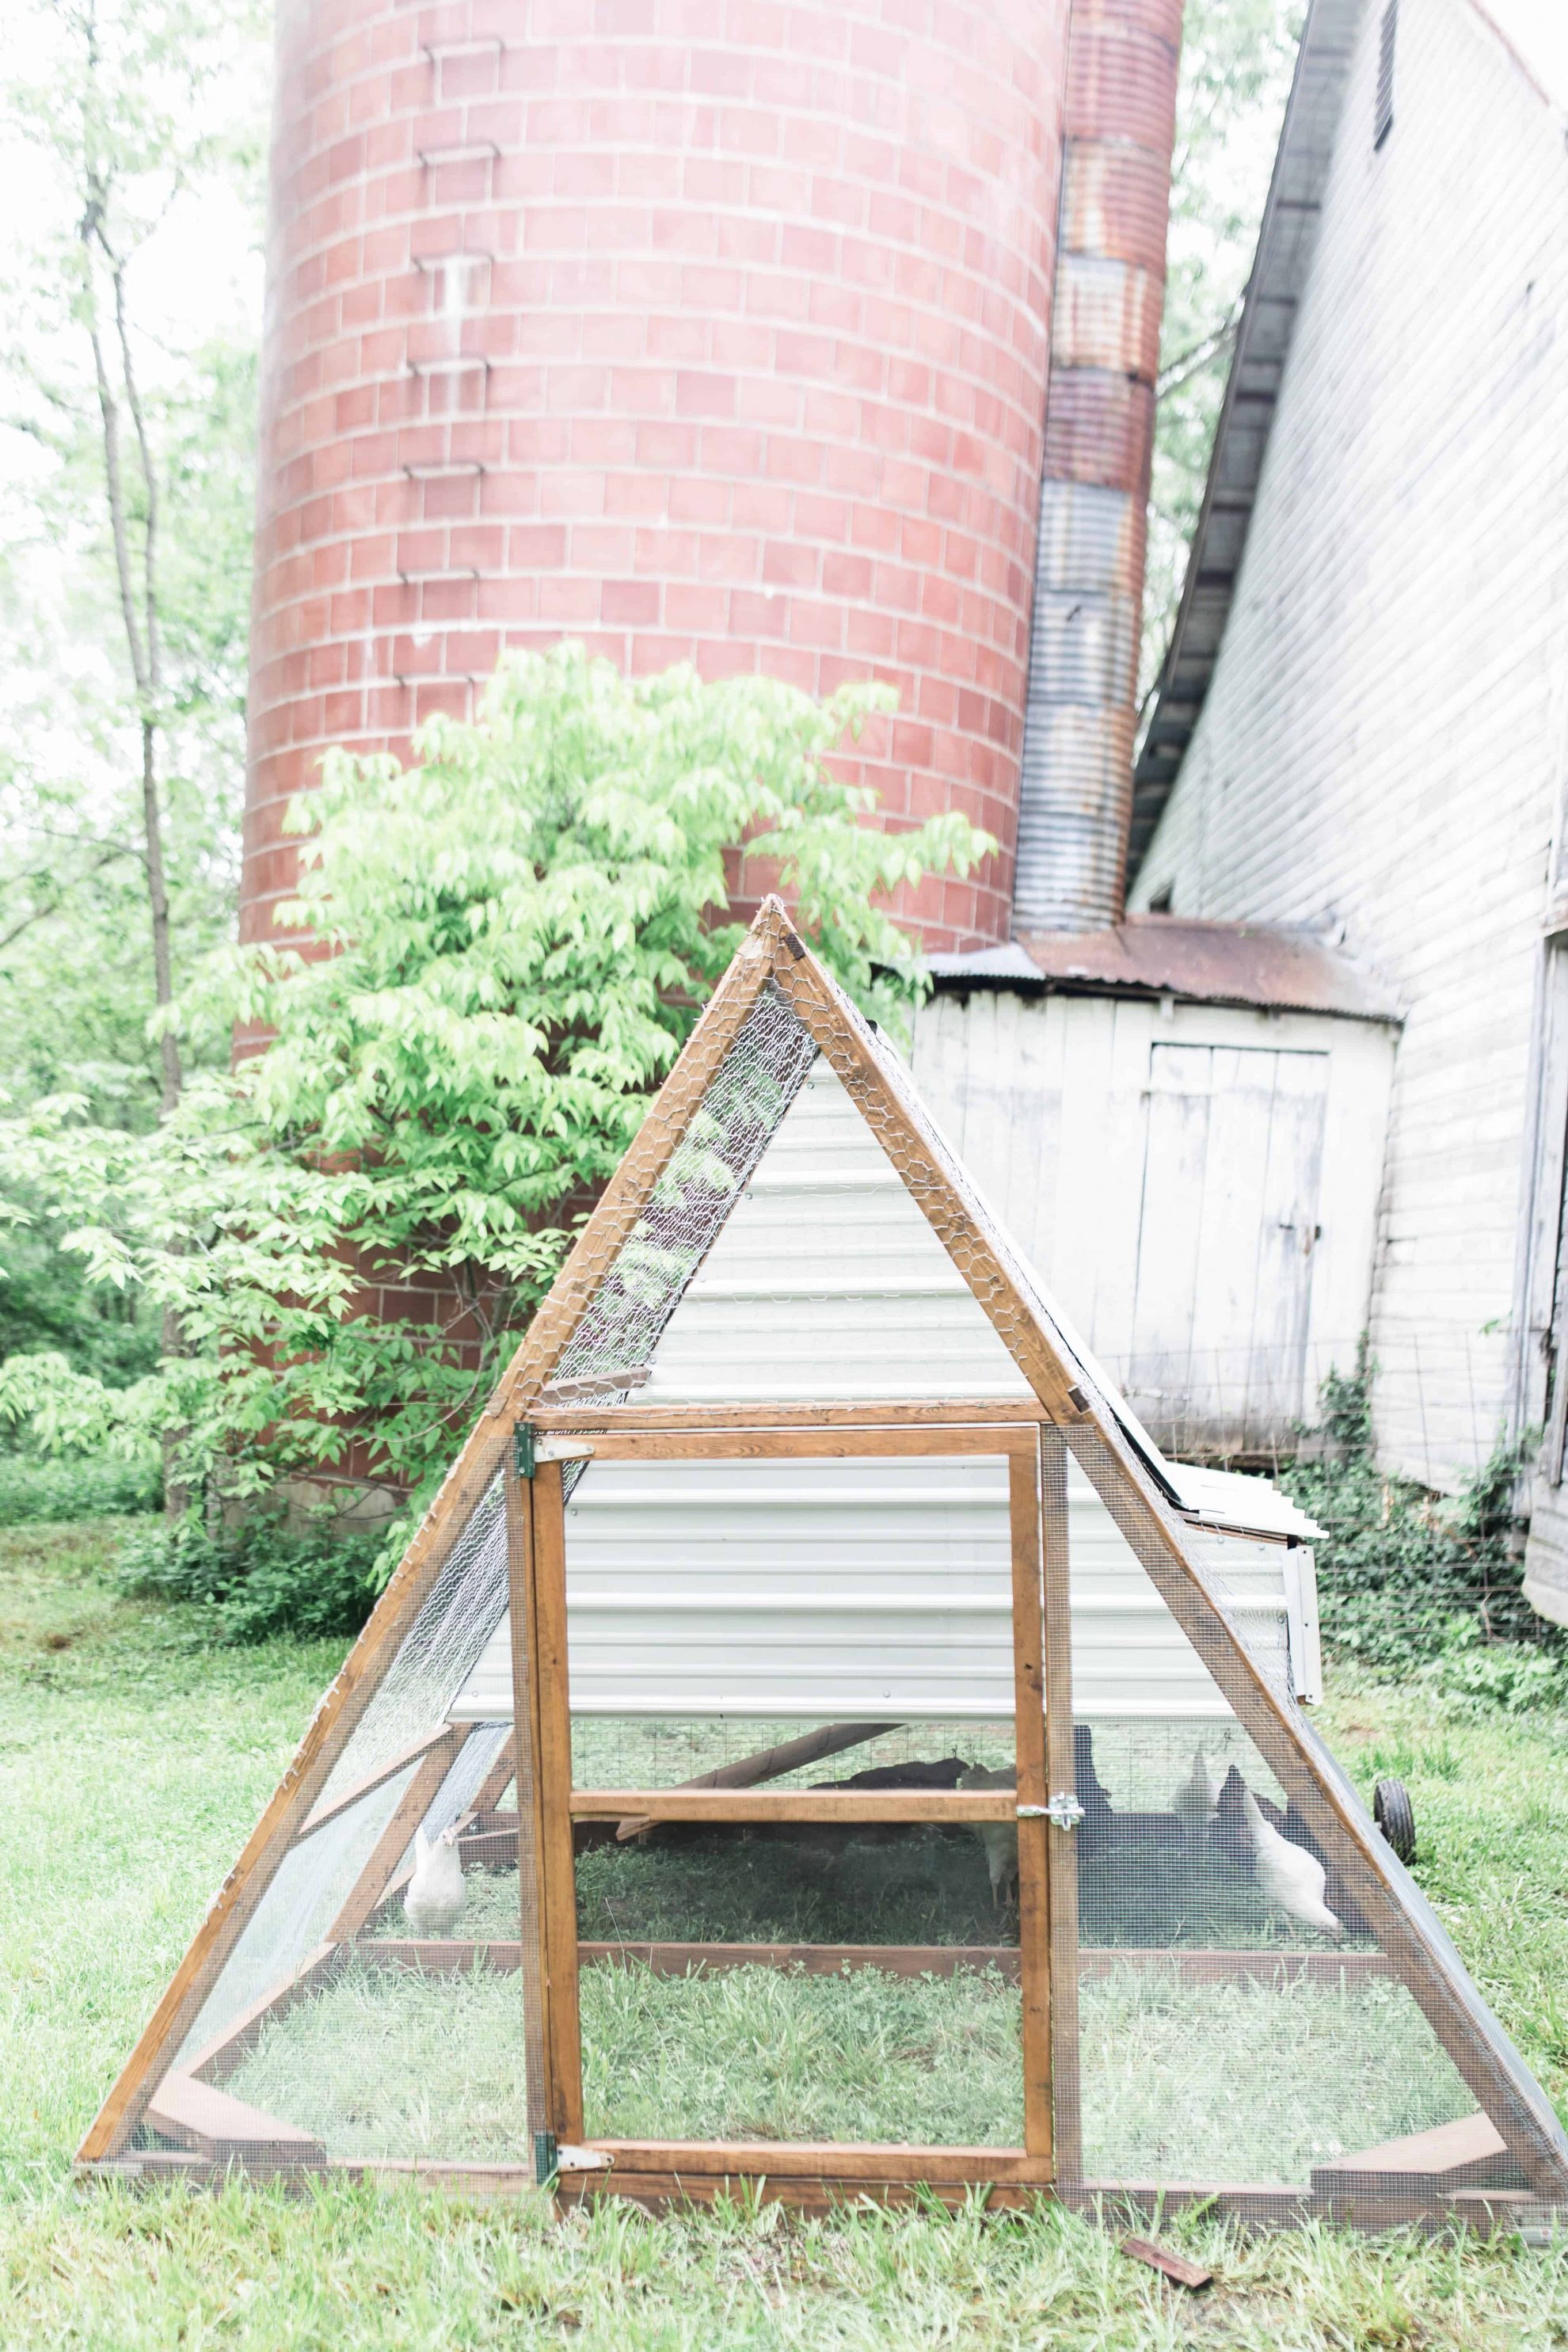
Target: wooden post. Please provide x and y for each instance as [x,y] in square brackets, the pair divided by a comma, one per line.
[1062,1844]
[548,1548]
[772,1763]
[1029,1735]
[534,1967]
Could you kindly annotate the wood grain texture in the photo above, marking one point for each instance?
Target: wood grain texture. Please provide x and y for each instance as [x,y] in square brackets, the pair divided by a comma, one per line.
[563,2030]
[895,1413]
[213,2125]
[527,1842]
[839,2160]
[816,2195]
[771,1764]
[954,1806]
[815,1444]
[1029,1720]
[1061,1845]
[1169,2264]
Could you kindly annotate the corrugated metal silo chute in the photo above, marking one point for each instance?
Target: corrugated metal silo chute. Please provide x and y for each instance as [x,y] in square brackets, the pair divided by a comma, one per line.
[815,1743]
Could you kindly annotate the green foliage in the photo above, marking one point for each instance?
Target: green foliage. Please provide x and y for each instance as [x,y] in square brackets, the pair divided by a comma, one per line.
[40,1488]
[139,124]
[523,926]
[263,1582]
[1410,1578]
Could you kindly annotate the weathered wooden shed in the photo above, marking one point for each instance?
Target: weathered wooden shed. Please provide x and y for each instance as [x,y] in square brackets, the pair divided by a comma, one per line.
[798,1464]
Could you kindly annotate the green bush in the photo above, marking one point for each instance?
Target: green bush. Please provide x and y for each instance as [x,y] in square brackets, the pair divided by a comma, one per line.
[33,1488]
[261,1581]
[1410,1578]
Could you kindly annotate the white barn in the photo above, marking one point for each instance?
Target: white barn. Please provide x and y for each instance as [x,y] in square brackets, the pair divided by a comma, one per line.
[1359,741]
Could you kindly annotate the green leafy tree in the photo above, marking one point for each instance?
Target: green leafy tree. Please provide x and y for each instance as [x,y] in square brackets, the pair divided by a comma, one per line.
[126,430]
[508,943]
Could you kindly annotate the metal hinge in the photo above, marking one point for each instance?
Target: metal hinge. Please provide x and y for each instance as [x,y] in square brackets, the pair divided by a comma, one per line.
[553,2157]
[523,1455]
[1064,1812]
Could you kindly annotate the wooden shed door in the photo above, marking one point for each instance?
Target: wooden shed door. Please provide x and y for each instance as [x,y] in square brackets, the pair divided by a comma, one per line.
[1229,1223]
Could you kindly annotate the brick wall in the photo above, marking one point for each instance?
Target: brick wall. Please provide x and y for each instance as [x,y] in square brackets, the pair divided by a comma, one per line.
[707,330]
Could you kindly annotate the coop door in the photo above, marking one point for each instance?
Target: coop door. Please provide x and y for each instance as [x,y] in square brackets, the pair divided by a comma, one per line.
[1228,1227]
[802,1709]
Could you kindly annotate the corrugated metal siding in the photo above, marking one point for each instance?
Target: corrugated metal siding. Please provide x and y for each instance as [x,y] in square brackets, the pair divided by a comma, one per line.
[829,1283]
[867,1589]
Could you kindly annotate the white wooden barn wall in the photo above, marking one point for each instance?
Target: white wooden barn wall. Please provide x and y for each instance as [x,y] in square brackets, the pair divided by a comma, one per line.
[1381,749]
[1198,1186]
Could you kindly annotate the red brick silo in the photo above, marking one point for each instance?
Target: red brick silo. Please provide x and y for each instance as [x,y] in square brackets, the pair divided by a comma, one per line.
[695,329]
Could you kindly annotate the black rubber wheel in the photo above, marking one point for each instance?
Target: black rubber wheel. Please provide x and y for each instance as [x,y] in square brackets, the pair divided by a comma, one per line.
[1391,1809]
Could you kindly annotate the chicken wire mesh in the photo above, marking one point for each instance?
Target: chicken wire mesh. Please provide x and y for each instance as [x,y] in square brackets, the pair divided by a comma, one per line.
[729,1128]
[799,1981]
[381,2003]
[1239,2018]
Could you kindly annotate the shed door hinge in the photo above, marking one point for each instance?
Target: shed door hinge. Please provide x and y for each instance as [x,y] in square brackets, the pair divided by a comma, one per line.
[522,1440]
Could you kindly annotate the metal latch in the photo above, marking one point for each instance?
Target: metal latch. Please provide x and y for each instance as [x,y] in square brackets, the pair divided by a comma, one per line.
[1032,1814]
[1064,1812]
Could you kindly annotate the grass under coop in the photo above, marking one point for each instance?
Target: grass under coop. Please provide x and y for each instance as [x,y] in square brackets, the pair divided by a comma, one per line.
[134,1761]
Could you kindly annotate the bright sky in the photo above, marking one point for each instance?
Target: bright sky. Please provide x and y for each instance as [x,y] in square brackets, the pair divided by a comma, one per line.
[1539,31]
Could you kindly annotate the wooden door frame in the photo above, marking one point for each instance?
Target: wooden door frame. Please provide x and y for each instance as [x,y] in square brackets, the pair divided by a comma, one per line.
[787,1432]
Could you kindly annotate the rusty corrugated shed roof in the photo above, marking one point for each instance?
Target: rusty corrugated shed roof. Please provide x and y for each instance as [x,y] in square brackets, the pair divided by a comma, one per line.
[1258,964]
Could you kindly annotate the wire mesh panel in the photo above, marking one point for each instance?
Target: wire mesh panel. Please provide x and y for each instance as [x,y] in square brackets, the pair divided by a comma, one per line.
[799,1981]
[1240,2021]
[373,2006]
[739,1113]
[803,1627]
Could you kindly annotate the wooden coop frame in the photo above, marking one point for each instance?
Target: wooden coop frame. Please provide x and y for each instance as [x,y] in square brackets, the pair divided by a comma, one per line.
[1506,2160]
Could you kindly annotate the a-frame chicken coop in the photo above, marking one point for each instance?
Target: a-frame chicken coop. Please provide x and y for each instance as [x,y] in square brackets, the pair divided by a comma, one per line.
[908,1784]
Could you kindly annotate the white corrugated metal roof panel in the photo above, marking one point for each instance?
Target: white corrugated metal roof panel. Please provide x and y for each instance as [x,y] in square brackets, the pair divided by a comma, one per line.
[1232,1499]
[828,1282]
[871,1588]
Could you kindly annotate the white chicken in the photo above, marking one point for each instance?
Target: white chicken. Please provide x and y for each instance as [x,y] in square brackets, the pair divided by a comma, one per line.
[1196,1801]
[433,1900]
[1000,1839]
[1289,1876]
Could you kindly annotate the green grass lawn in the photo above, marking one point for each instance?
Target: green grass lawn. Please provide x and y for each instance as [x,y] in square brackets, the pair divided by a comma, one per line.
[133,1760]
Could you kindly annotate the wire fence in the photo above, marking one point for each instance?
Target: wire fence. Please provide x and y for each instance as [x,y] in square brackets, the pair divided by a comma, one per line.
[1442,1401]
